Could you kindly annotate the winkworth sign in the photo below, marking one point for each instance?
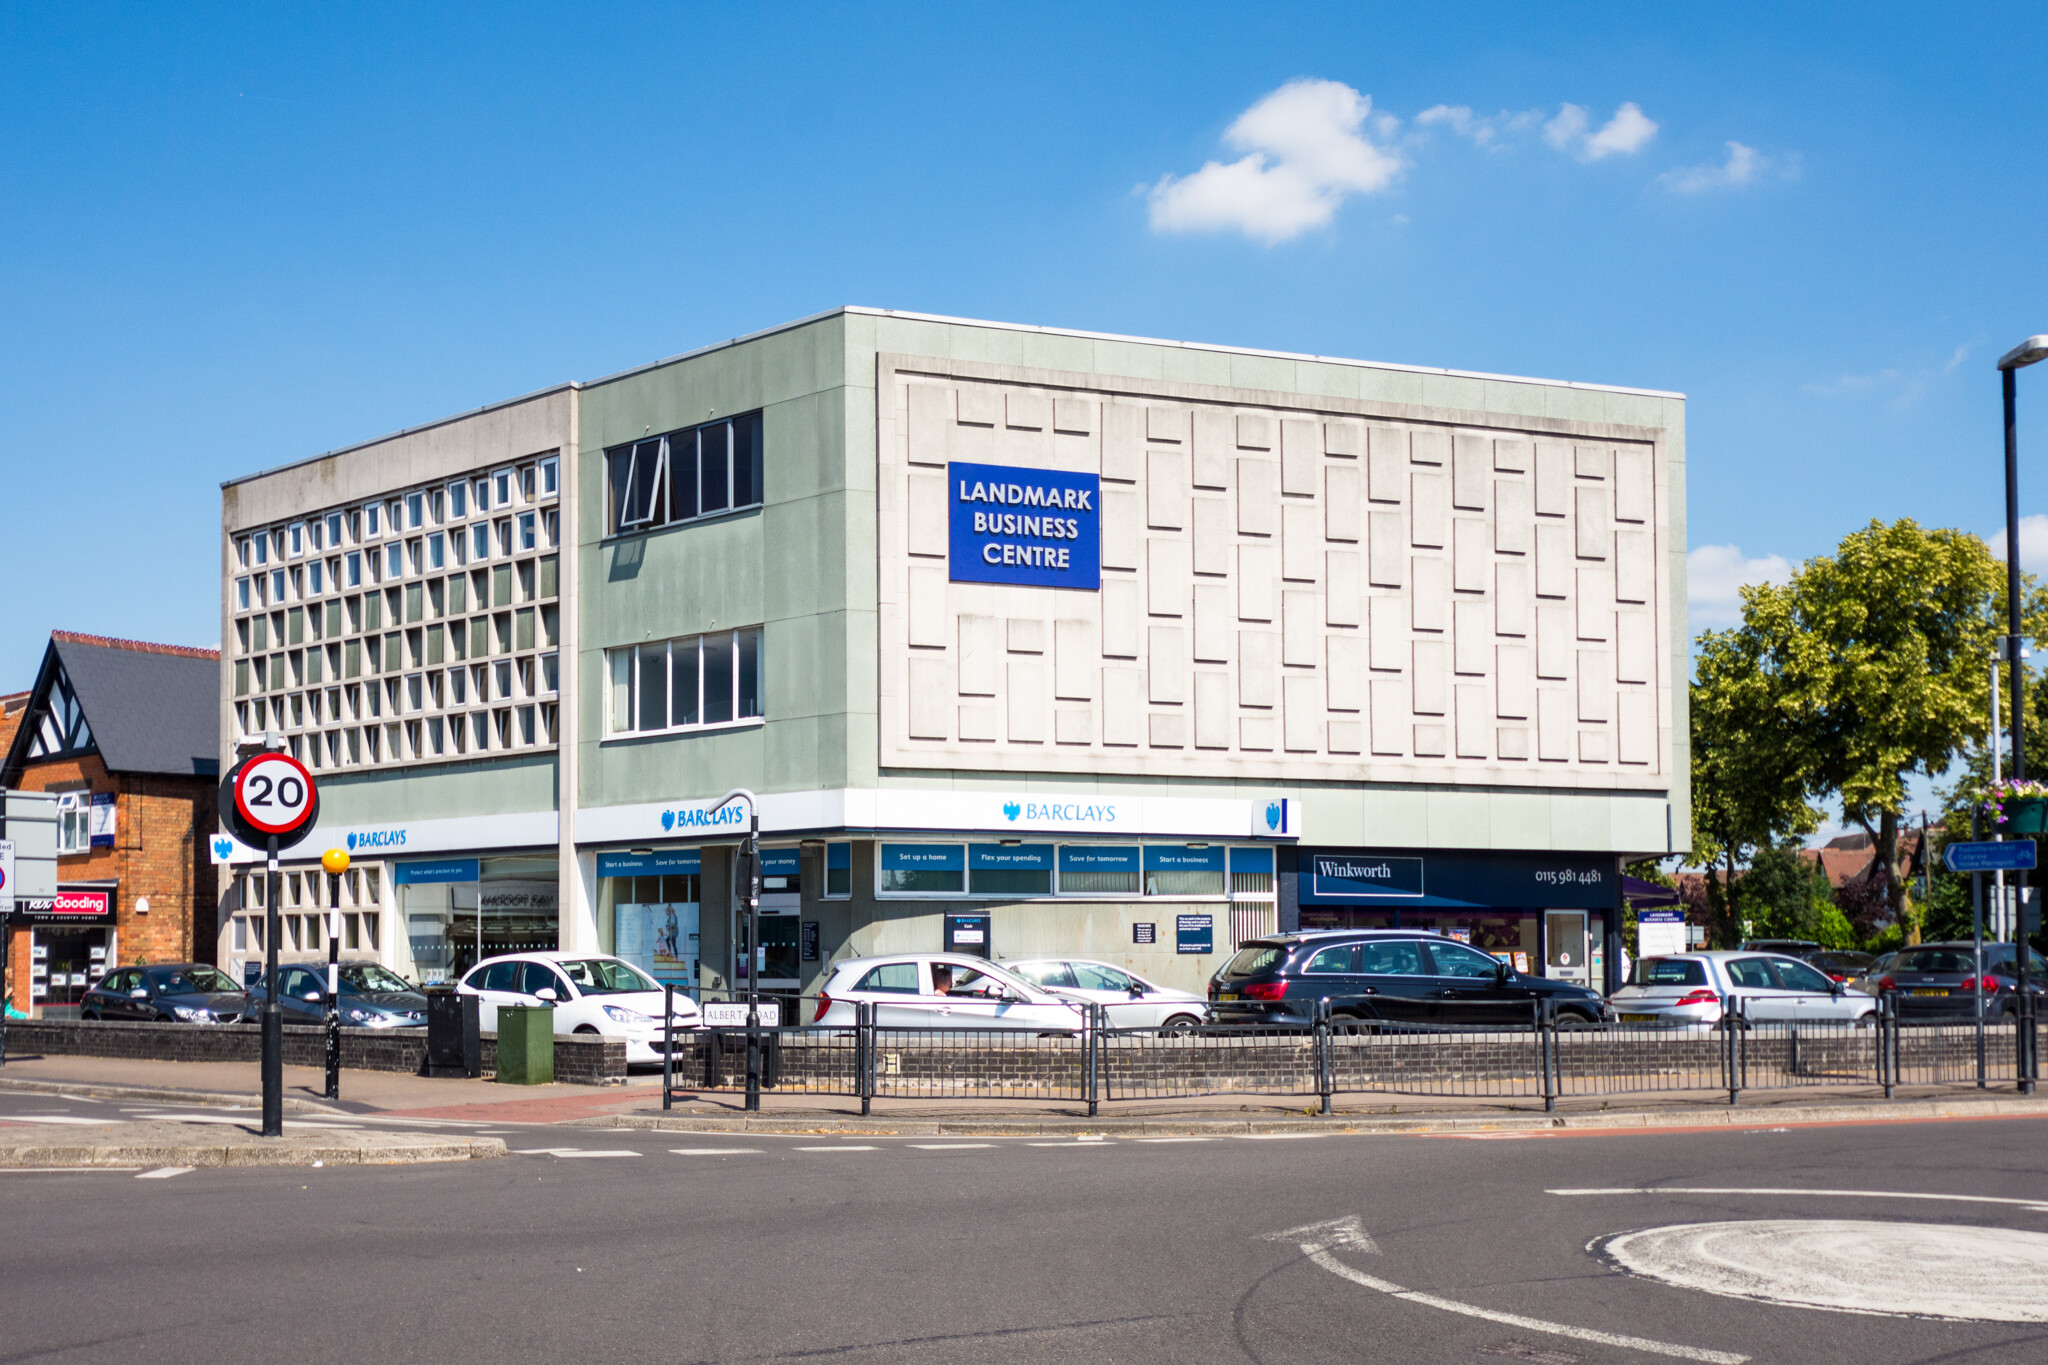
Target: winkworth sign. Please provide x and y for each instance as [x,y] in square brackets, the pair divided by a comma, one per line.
[1038,527]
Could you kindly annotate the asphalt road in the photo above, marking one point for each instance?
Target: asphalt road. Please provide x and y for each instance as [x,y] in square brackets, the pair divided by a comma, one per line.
[599,1245]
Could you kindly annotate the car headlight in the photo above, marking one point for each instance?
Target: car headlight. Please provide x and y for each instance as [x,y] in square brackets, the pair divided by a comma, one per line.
[192,1014]
[625,1016]
[357,1015]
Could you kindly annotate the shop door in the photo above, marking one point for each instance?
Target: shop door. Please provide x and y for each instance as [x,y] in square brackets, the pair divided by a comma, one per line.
[1565,953]
[65,963]
[778,955]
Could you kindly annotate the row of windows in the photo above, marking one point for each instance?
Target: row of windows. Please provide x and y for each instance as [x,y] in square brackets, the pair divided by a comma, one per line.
[504,585]
[480,495]
[428,554]
[457,735]
[686,684]
[455,689]
[306,933]
[1021,869]
[478,638]
[359,886]
[703,471]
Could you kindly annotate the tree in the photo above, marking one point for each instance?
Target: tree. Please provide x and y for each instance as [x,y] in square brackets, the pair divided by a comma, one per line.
[1874,658]
[1783,896]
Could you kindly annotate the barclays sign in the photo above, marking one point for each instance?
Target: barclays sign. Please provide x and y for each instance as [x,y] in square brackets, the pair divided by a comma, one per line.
[698,819]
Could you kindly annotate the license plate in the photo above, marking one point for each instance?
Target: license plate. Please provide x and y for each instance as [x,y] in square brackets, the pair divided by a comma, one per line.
[1227,995]
[1930,990]
[1638,1018]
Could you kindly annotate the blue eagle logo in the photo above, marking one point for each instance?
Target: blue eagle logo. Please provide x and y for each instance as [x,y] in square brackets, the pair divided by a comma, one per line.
[1273,815]
[668,819]
[351,841]
[1011,810]
[223,848]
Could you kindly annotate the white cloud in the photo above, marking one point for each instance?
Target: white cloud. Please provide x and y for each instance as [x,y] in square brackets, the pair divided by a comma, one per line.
[1742,167]
[1488,131]
[1715,576]
[2033,543]
[1305,154]
[1900,389]
[1623,135]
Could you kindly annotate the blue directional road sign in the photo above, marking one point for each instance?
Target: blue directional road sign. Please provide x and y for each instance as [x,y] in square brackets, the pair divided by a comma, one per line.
[2012,856]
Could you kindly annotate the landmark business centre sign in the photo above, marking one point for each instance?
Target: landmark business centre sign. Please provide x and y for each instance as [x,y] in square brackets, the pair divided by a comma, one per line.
[1034,527]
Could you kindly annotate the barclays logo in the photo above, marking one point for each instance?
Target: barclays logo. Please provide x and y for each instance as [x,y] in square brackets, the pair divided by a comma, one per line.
[723,817]
[225,848]
[668,819]
[378,838]
[351,843]
[1273,815]
[1011,810]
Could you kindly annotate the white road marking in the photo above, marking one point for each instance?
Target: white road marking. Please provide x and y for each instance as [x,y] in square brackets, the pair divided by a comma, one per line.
[1278,1137]
[2036,1205]
[847,1148]
[56,1118]
[948,1146]
[1901,1270]
[570,1152]
[1181,1139]
[163,1173]
[1097,1142]
[716,1151]
[1317,1241]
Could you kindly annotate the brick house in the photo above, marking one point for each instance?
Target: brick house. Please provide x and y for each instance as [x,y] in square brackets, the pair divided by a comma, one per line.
[126,734]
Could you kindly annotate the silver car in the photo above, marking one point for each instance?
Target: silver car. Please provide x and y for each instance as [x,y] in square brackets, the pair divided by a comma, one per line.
[1698,988]
[1131,1000]
[941,990]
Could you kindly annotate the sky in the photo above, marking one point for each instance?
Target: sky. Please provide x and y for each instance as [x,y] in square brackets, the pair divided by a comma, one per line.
[236,236]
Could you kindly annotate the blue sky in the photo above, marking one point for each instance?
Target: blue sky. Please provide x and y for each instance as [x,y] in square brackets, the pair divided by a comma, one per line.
[233,236]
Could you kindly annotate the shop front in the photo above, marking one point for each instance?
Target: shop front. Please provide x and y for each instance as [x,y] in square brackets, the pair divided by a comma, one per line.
[72,940]
[458,911]
[1545,913]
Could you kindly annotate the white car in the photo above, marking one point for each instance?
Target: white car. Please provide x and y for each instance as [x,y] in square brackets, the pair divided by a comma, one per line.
[941,990]
[1133,1002]
[1698,988]
[591,993]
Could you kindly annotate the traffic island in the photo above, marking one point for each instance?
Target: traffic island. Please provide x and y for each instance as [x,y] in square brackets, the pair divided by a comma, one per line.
[233,1142]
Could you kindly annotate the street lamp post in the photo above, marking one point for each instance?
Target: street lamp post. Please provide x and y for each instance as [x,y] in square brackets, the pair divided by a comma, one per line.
[750,865]
[2031,351]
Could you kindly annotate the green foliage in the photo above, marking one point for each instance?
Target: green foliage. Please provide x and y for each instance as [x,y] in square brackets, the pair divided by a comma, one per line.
[1783,896]
[1835,930]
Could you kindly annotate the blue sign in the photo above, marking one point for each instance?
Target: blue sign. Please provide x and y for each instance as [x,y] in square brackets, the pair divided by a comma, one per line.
[2015,855]
[1098,858]
[924,858]
[1342,876]
[1194,933]
[672,861]
[838,856]
[1179,858]
[782,862]
[1023,857]
[1251,861]
[1039,527]
[429,871]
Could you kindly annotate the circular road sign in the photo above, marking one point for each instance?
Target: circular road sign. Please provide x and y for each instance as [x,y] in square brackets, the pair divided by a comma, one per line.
[274,795]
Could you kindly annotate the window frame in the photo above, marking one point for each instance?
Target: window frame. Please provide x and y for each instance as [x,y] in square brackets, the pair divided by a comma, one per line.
[668,648]
[668,447]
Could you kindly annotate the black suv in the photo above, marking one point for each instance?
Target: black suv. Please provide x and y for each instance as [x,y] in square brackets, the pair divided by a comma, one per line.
[1396,976]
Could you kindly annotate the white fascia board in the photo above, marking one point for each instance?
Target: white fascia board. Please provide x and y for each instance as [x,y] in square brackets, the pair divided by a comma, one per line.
[400,838]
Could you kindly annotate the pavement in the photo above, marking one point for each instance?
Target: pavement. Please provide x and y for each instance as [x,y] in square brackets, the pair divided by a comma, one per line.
[1863,1243]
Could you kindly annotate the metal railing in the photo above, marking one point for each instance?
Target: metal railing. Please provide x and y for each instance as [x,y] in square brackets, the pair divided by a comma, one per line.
[1524,1051]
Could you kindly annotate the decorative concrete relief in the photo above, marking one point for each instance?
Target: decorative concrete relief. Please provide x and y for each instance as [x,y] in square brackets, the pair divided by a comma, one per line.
[1283,592]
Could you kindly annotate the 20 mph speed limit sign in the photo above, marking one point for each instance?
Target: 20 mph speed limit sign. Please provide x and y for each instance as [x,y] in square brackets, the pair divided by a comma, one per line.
[269,796]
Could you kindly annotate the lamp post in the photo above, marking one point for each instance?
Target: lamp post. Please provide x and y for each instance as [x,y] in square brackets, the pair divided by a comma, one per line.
[335,861]
[2031,351]
[750,867]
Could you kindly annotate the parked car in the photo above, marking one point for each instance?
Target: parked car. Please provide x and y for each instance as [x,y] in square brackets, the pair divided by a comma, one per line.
[1790,947]
[1837,964]
[1939,980]
[1700,988]
[178,993]
[591,993]
[1133,1002]
[372,996]
[1867,980]
[1394,976]
[941,990]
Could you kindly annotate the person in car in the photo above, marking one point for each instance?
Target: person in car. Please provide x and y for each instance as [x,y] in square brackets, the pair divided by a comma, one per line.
[942,979]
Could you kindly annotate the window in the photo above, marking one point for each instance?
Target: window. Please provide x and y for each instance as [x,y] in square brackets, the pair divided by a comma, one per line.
[295,538]
[700,680]
[482,490]
[1010,869]
[242,552]
[370,520]
[838,871]
[1397,957]
[1752,972]
[263,549]
[355,569]
[1183,870]
[458,500]
[394,561]
[897,978]
[529,538]
[1453,960]
[437,551]
[697,472]
[1797,976]
[501,487]
[1251,872]
[333,529]
[415,511]
[1342,960]
[277,585]
[73,822]
[315,578]
[241,594]
[550,477]
[926,868]
[1096,870]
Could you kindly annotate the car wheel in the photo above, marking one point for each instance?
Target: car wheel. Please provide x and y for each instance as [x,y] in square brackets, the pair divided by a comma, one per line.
[1180,1025]
[1867,1019]
[1351,1023]
[1573,1020]
[94,1016]
[586,1028]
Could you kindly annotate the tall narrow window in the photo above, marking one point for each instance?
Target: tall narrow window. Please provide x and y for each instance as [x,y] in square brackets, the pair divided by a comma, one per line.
[714,459]
[682,465]
[653,688]
[746,460]
[749,672]
[718,679]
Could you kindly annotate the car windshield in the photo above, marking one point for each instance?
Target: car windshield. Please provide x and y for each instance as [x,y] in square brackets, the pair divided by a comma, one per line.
[605,976]
[373,979]
[1670,971]
[1251,960]
[191,981]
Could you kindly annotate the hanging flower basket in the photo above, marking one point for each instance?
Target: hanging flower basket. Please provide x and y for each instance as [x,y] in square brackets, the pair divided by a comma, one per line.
[2019,807]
